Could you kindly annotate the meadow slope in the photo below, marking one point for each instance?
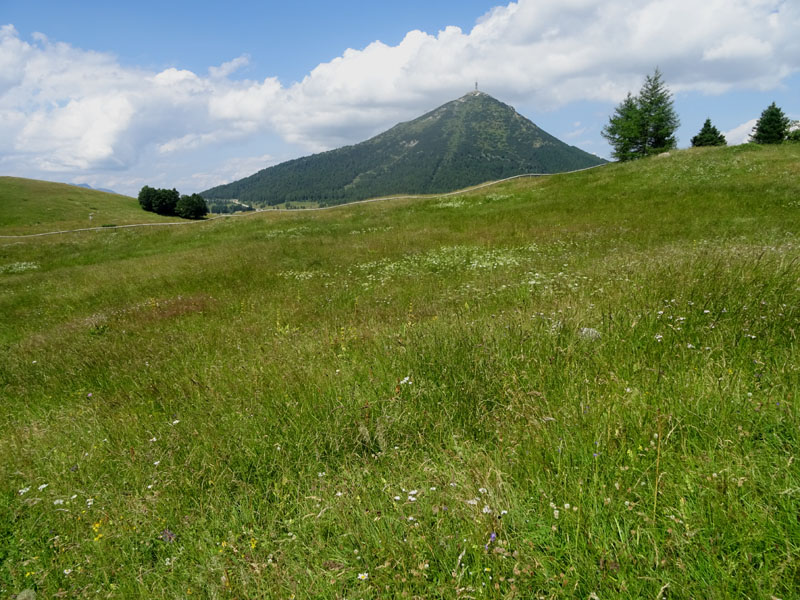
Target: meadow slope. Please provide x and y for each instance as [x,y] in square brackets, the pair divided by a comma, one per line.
[577,386]
[33,206]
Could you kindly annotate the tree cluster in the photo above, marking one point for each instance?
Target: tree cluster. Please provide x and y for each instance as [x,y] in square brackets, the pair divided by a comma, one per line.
[645,124]
[171,203]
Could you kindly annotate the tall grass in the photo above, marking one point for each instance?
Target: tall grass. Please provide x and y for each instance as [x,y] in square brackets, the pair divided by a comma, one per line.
[584,385]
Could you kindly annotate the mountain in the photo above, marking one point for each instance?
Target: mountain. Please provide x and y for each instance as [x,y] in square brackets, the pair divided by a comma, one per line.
[88,187]
[473,139]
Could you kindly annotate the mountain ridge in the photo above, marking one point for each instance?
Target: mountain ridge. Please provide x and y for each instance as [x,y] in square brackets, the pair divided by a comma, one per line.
[464,142]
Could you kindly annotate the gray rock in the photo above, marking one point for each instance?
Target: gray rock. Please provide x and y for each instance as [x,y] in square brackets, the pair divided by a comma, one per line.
[589,333]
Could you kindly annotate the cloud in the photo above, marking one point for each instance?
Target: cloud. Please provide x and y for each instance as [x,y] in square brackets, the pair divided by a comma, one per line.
[740,134]
[229,68]
[66,109]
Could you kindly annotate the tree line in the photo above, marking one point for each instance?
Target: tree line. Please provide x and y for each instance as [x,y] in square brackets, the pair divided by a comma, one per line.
[645,124]
[172,204]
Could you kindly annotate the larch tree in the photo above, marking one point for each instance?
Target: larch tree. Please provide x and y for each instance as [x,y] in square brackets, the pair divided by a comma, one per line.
[645,124]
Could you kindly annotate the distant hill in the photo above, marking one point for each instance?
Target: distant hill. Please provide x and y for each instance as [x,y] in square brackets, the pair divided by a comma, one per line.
[88,187]
[464,142]
[32,206]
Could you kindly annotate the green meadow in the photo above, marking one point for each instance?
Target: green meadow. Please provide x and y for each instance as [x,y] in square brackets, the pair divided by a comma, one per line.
[29,206]
[578,386]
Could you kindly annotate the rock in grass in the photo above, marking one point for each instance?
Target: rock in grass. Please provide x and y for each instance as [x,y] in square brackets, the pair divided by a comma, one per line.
[589,333]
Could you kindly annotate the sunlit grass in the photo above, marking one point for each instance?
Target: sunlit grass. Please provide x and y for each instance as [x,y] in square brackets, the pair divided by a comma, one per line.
[570,386]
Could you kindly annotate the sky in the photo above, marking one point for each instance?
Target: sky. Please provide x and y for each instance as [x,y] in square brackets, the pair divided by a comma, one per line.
[194,94]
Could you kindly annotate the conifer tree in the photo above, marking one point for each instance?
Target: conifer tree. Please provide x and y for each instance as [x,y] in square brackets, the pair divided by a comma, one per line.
[772,127]
[645,124]
[709,136]
[658,119]
[622,131]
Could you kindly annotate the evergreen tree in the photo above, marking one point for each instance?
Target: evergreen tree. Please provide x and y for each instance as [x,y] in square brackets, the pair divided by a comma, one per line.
[657,117]
[709,136]
[645,124]
[623,128]
[772,127]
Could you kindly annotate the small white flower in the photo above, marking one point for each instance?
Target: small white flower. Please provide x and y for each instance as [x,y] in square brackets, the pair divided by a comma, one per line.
[156,463]
[24,490]
[67,571]
[486,510]
[150,487]
[153,439]
[482,490]
[503,512]
[176,421]
[89,501]
[555,514]
[473,501]
[321,474]
[433,488]
[411,519]
[397,498]
[363,576]
[566,506]
[412,499]
[58,501]
[453,484]
[338,494]
[44,485]
[413,492]
[73,496]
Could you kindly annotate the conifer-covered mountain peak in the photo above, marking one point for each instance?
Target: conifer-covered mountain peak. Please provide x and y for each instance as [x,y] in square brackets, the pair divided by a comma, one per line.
[470,140]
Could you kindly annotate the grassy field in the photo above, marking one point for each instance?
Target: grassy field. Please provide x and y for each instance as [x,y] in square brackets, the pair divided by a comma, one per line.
[32,206]
[581,386]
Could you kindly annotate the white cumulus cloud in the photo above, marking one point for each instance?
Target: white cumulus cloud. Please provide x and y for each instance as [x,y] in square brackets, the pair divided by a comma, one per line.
[67,109]
[741,133]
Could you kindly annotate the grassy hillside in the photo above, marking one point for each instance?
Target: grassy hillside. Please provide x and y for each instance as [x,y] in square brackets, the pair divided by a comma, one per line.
[585,384]
[32,206]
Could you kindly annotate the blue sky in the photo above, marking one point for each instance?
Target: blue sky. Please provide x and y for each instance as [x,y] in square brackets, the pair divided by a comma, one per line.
[193,94]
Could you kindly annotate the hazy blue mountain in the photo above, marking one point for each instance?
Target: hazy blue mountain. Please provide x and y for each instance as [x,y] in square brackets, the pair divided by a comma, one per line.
[88,187]
[464,142]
